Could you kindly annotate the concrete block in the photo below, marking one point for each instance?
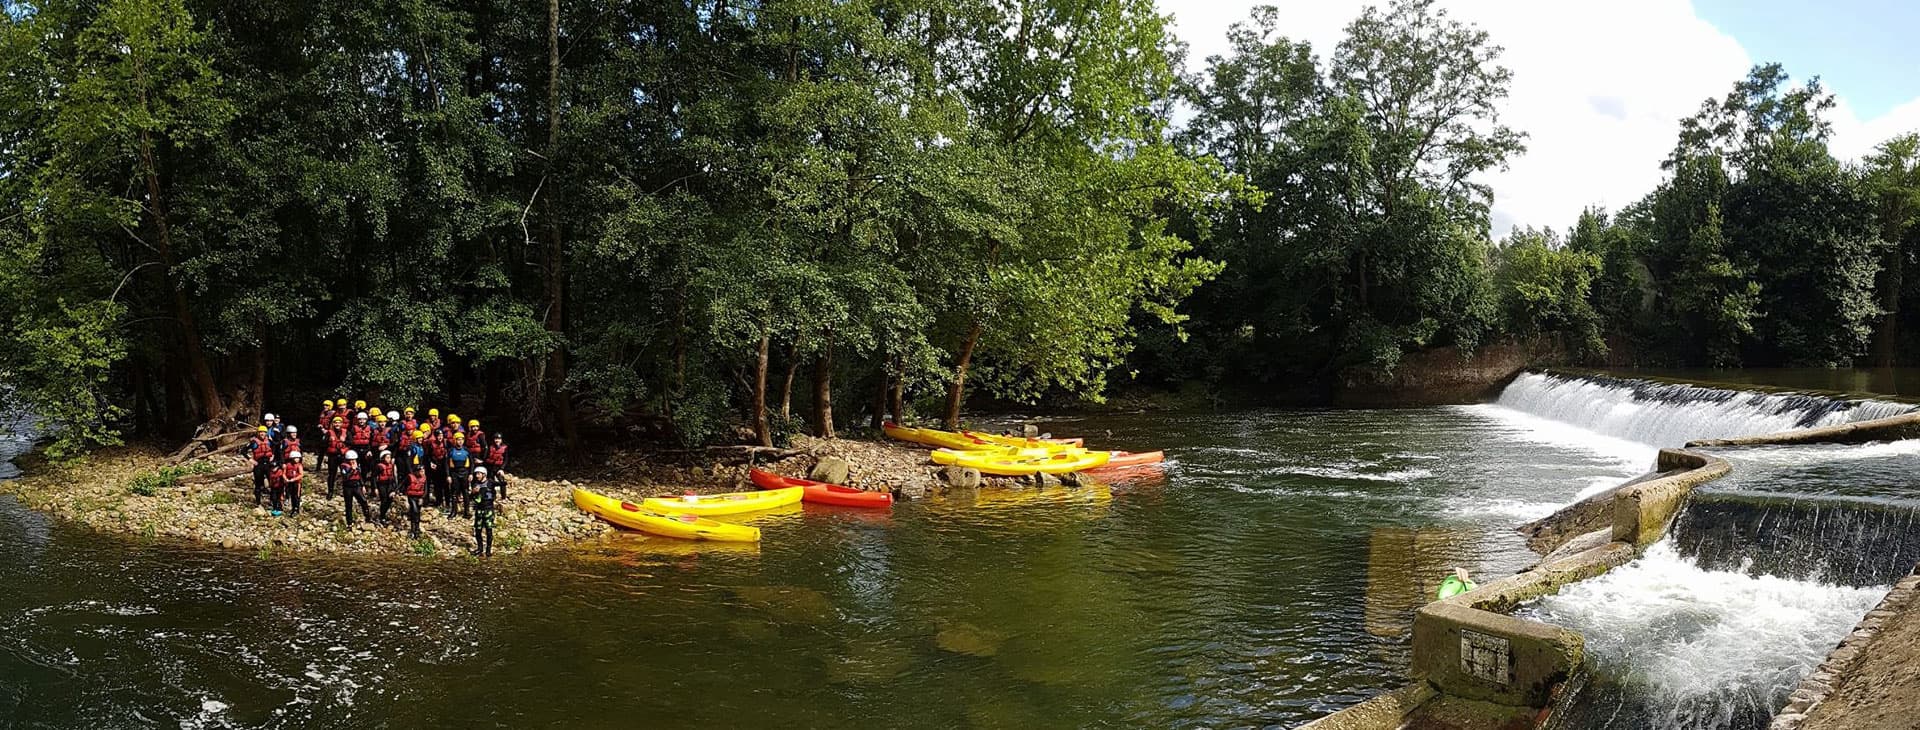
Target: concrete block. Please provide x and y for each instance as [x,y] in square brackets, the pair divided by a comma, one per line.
[1474,654]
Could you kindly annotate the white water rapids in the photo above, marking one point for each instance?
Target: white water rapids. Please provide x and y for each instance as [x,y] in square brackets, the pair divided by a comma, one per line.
[1666,415]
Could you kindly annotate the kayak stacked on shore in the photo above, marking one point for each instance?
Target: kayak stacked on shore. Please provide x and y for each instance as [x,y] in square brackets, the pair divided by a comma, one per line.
[1016,456]
[689,516]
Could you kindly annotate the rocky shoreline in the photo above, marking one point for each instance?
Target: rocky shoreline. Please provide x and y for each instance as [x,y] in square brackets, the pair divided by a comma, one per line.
[100,492]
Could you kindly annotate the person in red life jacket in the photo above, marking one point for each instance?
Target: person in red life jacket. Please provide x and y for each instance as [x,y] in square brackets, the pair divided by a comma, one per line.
[360,434]
[292,471]
[408,421]
[290,443]
[403,445]
[336,451]
[353,484]
[386,478]
[379,438]
[261,450]
[416,493]
[497,465]
[433,420]
[437,467]
[459,470]
[326,415]
[477,441]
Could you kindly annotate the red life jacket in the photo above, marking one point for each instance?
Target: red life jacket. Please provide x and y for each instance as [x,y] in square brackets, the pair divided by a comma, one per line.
[361,435]
[406,437]
[384,472]
[379,436]
[337,440]
[410,424]
[291,472]
[497,457]
[417,484]
[291,445]
[477,443]
[438,445]
[350,472]
[262,448]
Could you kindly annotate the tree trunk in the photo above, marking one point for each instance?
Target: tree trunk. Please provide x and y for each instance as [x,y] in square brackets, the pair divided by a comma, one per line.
[556,263]
[1886,339]
[823,393]
[880,391]
[786,390]
[956,392]
[761,430]
[198,369]
[897,398]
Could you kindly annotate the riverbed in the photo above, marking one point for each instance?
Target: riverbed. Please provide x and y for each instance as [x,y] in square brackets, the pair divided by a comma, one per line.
[1265,576]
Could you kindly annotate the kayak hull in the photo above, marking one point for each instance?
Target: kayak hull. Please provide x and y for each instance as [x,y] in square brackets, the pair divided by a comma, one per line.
[822,492]
[1124,459]
[1005,465]
[933,437]
[664,524]
[731,503]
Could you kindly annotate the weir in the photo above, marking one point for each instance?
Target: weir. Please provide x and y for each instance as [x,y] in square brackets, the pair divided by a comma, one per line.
[1710,605]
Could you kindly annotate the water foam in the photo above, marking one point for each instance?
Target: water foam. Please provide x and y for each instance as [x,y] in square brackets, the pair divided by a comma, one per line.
[1701,648]
[1663,414]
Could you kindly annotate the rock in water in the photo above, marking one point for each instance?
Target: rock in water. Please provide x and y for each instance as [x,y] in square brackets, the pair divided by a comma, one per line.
[829,469]
[962,477]
[1030,431]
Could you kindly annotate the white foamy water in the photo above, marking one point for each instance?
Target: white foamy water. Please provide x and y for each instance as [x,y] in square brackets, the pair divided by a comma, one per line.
[1704,647]
[1666,415]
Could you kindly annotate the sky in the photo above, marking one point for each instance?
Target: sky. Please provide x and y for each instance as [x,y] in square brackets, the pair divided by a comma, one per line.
[1600,86]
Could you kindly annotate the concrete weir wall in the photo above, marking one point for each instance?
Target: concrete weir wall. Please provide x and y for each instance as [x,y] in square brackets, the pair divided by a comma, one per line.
[1481,668]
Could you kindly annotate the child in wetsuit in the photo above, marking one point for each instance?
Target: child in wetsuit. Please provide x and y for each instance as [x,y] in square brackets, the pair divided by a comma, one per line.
[480,494]
[416,493]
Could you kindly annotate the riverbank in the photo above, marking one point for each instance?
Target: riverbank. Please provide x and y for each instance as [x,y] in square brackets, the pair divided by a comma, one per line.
[125,490]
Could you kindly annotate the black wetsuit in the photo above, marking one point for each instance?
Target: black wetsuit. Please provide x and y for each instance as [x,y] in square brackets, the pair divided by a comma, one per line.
[482,519]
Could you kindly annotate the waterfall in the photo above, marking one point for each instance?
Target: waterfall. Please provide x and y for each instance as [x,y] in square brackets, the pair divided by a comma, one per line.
[1666,414]
[1842,541]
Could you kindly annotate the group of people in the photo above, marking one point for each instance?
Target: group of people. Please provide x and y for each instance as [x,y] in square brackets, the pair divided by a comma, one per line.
[432,462]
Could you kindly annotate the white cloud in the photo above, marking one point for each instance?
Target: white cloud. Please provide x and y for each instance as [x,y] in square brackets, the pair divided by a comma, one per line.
[1600,89]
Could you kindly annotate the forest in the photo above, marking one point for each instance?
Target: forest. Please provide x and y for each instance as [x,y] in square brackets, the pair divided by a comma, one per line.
[736,220]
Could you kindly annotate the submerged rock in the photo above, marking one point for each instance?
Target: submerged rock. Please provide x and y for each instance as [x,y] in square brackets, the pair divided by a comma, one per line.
[961,637]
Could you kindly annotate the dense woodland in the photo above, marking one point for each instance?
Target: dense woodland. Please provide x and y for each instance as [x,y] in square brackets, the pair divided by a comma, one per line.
[712,220]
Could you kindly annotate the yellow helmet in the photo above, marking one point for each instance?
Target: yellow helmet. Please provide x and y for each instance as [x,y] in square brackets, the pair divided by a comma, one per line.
[474,423]
[382,418]
[433,411]
[453,418]
[262,429]
[326,404]
[407,410]
[359,405]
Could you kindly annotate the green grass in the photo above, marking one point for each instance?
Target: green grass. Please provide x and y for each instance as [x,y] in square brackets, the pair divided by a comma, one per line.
[513,540]
[424,547]
[265,552]
[149,483]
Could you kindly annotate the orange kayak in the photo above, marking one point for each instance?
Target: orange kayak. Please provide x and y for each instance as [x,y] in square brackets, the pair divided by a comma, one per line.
[1123,459]
[822,492]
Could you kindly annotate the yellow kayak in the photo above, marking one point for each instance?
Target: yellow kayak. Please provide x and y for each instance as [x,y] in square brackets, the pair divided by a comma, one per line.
[950,456]
[934,437]
[727,504]
[666,524]
[1021,441]
[1016,465]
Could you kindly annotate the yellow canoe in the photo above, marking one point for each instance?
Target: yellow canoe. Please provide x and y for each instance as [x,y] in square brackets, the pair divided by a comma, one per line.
[656,522]
[934,437]
[1014,465]
[1020,441]
[950,456]
[730,503]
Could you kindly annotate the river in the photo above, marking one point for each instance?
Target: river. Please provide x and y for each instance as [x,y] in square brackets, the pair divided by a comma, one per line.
[1267,575]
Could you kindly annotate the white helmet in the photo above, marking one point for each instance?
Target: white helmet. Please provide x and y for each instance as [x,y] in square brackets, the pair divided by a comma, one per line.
[385,453]
[361,416]
[393,415]
[294,455]
[293,429]
[270,417]
[479,470]
[352,455]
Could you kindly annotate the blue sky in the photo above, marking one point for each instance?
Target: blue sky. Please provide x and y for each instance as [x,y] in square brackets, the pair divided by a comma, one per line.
[1600,86]
[1865,50]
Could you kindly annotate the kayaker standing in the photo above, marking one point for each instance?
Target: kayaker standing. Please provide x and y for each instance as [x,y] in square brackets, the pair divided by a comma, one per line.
[386,478]
[460,468]
[477,441]
[497,465]
[360,437]
[482,498]
[292,471]
[336,451]
[264,457]
[275,431]
[289,443]
[353,485]
[416,493]
[437,468]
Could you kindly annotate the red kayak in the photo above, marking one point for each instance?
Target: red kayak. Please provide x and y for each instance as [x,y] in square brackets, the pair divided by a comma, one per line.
[1123,459]
[822,492]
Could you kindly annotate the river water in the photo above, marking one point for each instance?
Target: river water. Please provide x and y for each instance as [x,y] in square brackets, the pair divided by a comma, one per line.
[1267,575]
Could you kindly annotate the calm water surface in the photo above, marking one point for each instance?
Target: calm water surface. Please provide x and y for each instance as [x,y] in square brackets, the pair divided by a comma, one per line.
[1266,576]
